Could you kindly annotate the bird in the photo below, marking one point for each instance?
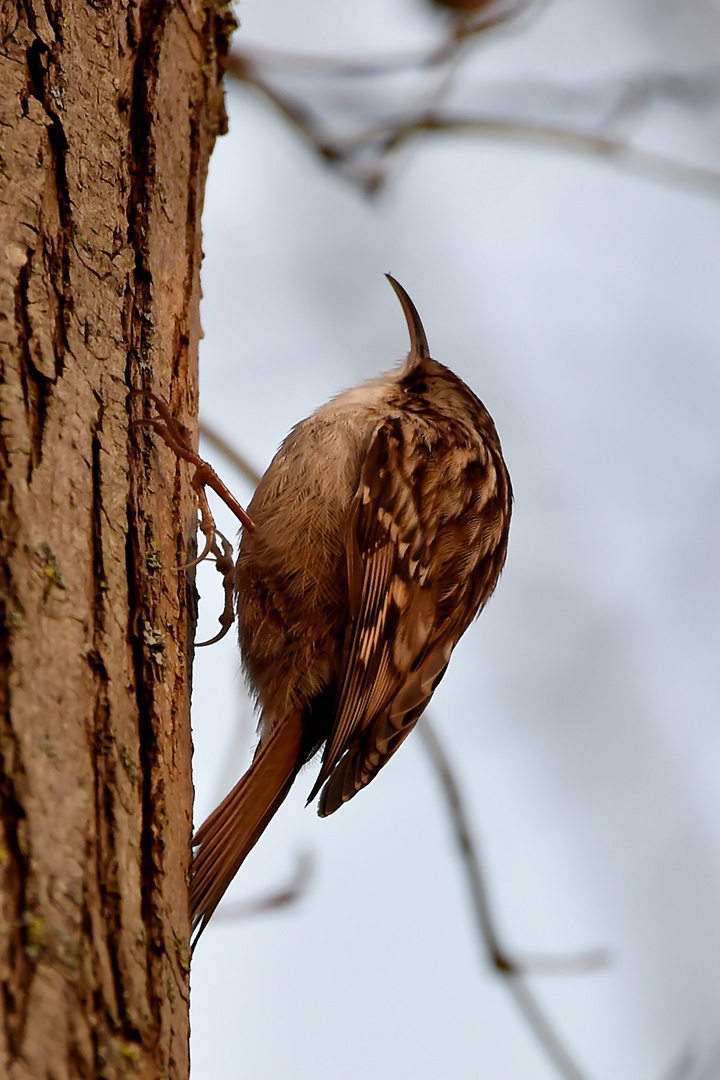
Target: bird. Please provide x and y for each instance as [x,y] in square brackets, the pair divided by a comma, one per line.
[380,531]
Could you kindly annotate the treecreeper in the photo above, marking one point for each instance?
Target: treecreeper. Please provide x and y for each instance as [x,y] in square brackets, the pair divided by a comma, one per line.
[380,531]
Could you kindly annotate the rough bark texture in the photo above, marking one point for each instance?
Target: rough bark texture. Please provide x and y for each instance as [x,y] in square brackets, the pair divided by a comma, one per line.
[108,113]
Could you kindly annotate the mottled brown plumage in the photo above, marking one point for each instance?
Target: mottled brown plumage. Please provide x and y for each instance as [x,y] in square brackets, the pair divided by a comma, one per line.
[381,530]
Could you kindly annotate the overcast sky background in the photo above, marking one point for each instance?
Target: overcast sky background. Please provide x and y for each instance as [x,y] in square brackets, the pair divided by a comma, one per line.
[582,711]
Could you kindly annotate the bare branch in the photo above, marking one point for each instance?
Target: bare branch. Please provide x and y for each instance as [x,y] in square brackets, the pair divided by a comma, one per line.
[540,112]
[512,973]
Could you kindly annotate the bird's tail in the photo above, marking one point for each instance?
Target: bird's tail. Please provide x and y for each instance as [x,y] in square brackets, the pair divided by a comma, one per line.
[230,833]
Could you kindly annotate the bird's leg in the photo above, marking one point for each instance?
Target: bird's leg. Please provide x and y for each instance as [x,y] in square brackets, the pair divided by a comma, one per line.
[177,437]
[225,565]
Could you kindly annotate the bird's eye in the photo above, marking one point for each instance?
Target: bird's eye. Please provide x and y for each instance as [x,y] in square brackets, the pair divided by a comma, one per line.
[418,388]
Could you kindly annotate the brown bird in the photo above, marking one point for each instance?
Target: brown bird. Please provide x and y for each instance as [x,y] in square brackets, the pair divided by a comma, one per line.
[381,528]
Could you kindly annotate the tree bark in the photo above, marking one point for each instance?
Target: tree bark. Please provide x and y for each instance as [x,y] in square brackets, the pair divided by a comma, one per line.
[108,113]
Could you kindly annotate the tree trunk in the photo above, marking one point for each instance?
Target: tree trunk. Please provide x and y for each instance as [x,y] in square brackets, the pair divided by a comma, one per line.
[108,113]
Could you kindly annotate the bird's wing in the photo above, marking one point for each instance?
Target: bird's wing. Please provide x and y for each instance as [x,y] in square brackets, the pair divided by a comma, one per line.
[393,656]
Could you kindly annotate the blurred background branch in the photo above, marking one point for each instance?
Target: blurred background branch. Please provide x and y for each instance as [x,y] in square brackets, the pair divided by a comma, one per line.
[355,113]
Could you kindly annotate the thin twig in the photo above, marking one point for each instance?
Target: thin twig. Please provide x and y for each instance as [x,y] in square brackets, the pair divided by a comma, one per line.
[608,147]
[324,66]
[510,971]
[288,894]
[231,453]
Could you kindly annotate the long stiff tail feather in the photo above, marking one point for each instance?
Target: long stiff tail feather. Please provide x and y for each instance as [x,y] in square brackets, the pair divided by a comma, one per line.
[225,839]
